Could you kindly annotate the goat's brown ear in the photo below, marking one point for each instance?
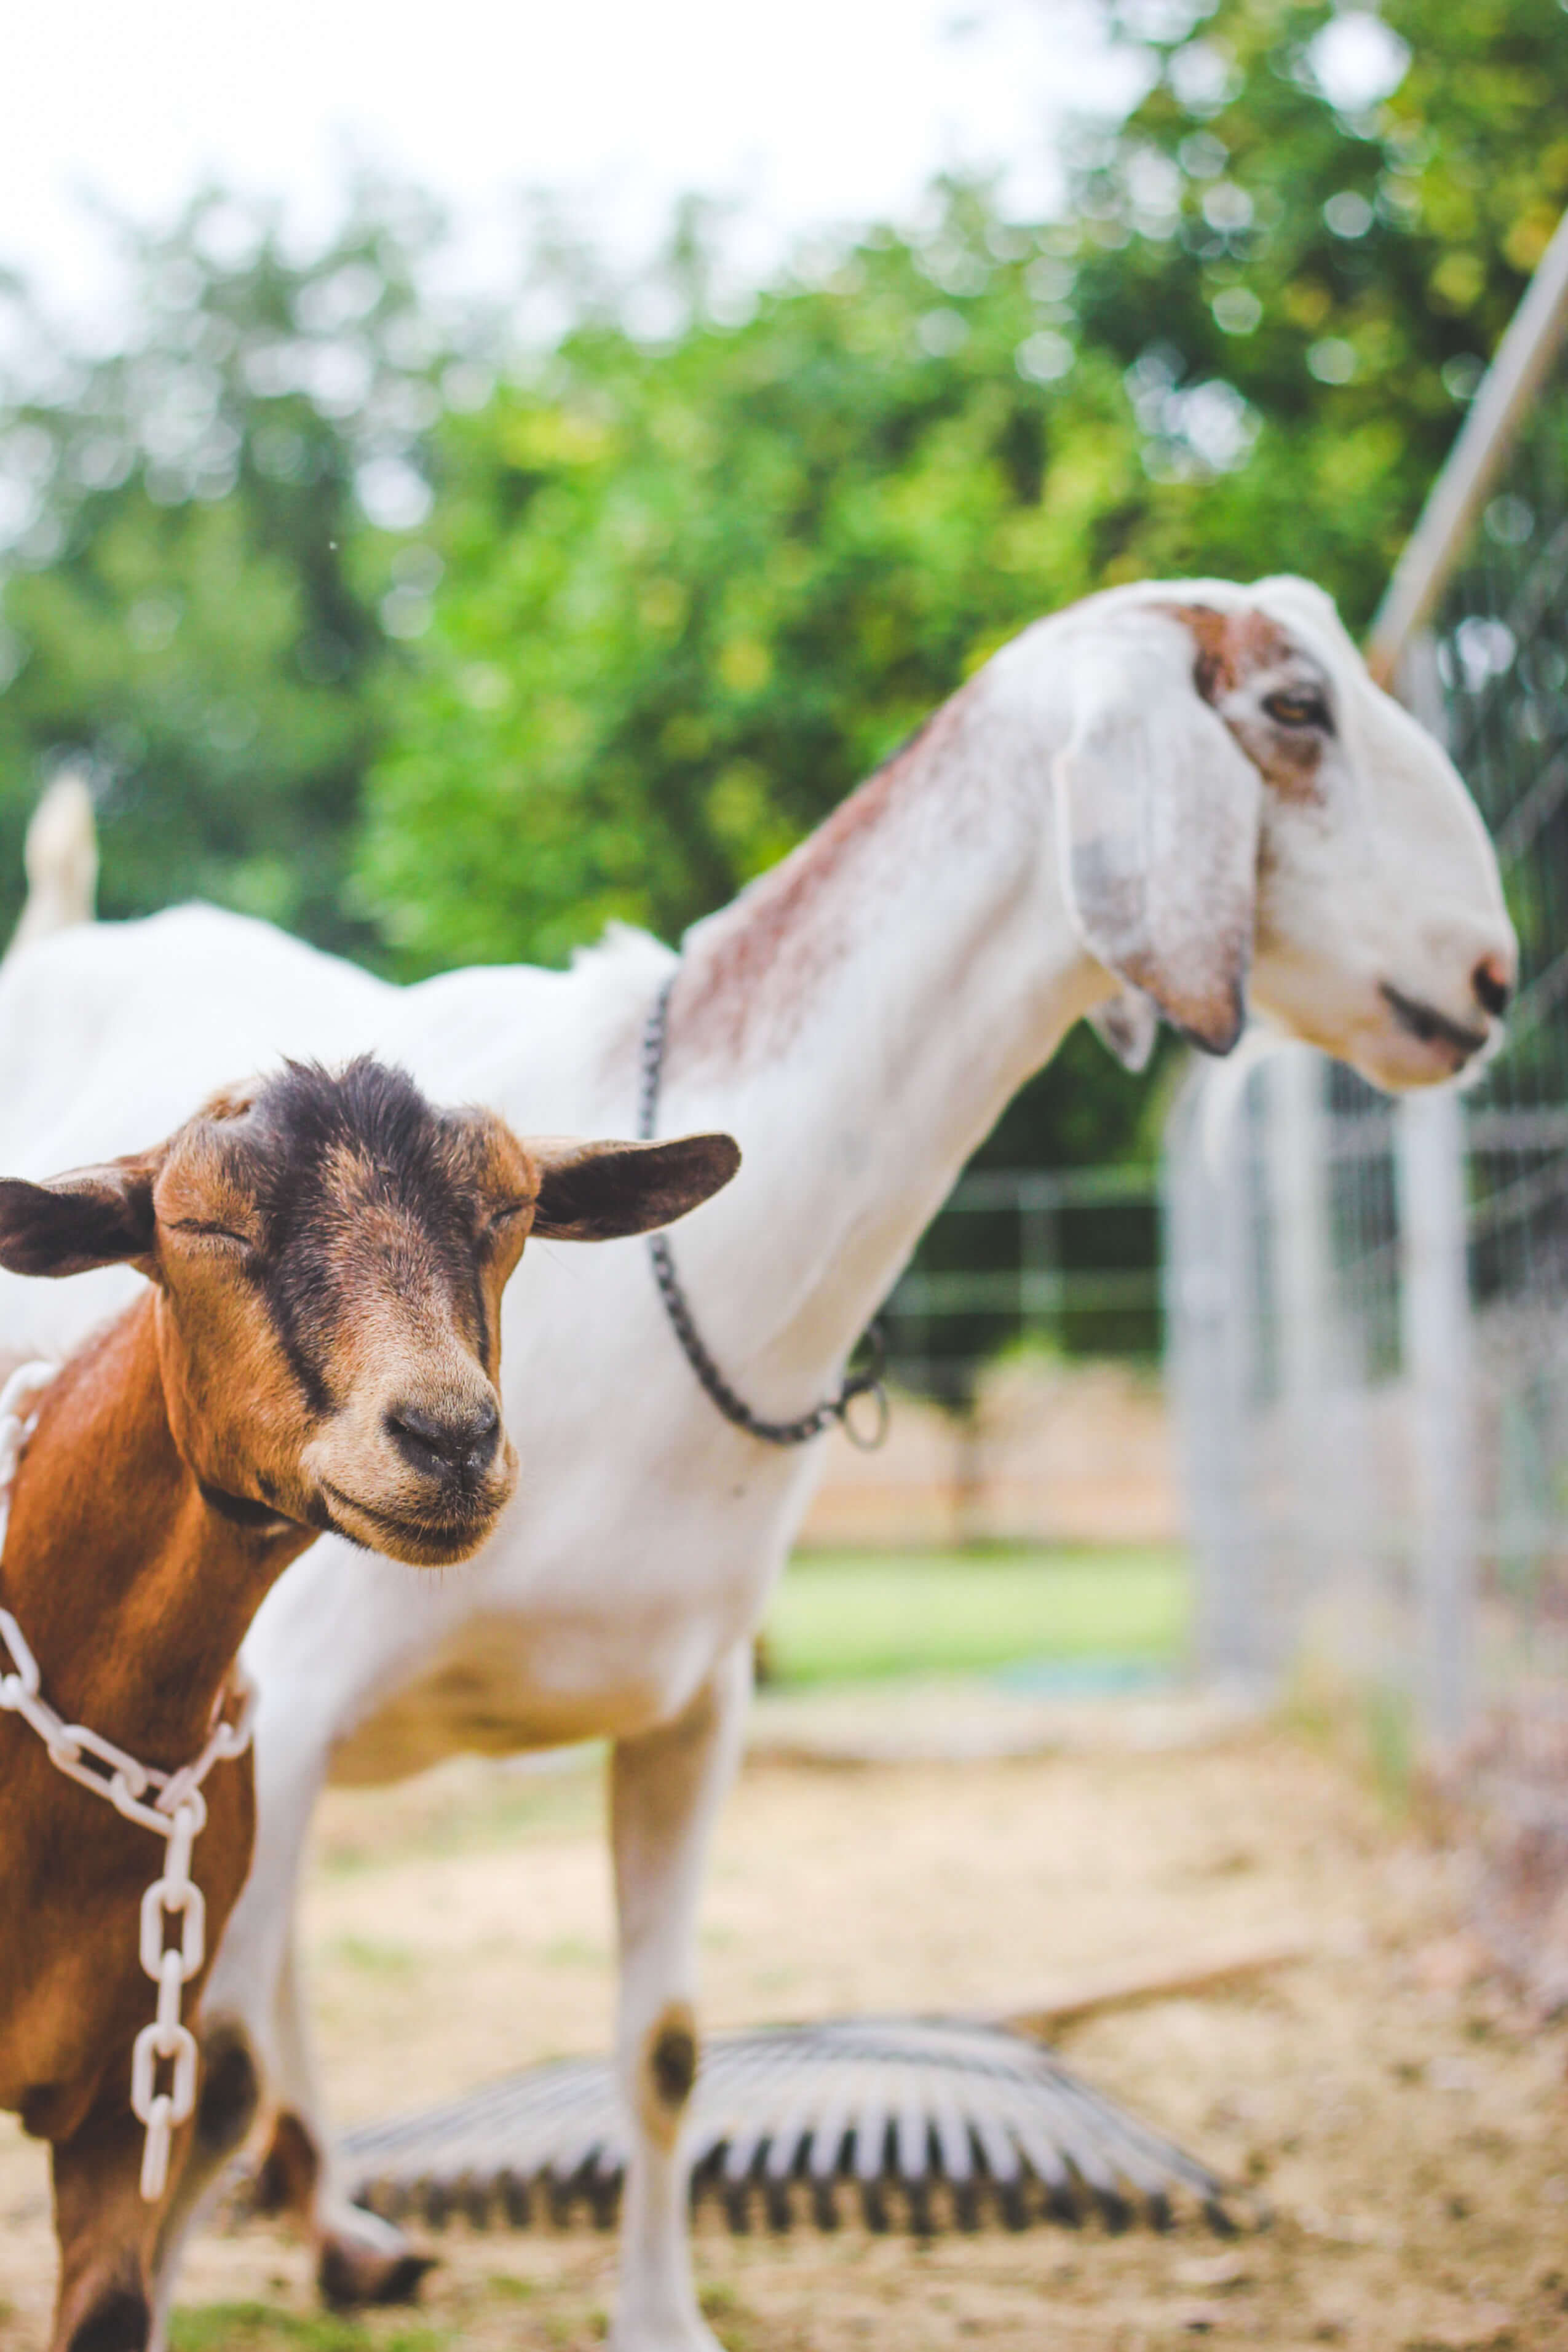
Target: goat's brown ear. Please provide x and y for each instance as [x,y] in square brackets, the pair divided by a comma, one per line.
[95,1216]
[595,1191]
[1158,811]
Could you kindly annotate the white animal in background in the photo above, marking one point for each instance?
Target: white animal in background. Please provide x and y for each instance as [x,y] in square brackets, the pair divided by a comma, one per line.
[61,856]
[1183,798]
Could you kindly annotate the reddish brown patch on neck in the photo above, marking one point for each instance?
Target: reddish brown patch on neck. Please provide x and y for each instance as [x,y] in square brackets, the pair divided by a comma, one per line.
[746,989]
[1231,646]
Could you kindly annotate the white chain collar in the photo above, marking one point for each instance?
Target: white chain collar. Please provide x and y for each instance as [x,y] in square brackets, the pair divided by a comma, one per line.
[169,1803]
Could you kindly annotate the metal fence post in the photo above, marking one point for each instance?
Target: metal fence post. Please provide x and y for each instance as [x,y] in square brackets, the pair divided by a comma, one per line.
[1209,1324]
[1435,1330]
[1294,1137]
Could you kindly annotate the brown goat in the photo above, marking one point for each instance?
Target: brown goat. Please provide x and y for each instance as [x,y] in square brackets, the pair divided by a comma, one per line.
[318,1348]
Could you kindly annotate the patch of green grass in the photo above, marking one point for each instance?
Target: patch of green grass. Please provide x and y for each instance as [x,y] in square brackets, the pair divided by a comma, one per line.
[461,1814]
[723,2305]
[257,2327]
[850,1617]
[373,1955]
[510,2288]
[1368,1723]
[575,1952]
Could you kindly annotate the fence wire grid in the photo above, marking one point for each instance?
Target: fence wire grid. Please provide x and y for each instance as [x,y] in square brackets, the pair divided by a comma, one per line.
[1367,1302]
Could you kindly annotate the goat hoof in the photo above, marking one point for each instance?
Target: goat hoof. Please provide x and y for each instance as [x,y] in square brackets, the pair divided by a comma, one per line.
[284,2180]
[350,2277]
[119,2322]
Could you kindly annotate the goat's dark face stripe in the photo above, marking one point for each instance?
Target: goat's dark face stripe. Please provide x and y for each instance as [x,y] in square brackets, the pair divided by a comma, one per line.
[356,1180]
[331,1255]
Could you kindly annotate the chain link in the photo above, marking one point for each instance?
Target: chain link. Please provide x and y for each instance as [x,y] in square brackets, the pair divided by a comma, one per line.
[869,1381]
[177,1812]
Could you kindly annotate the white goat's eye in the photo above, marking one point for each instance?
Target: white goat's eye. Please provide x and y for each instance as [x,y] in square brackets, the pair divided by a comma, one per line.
[1297,707]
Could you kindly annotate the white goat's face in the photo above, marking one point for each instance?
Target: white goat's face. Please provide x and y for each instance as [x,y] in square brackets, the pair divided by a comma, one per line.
[1247,819]
[1382,934]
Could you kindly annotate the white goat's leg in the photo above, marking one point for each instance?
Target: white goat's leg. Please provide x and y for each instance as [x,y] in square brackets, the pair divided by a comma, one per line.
[360,2259]
[254,1990]
[665,1790]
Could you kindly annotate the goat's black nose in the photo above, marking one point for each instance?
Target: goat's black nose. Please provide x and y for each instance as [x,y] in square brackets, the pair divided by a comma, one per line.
[1489,981]
[446,1445]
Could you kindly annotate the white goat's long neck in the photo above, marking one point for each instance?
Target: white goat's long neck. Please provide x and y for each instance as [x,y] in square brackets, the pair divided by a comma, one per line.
[862,1018]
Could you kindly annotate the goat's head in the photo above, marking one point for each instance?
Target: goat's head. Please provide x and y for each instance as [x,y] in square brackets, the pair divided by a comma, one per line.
[1244,817]
[329,1254]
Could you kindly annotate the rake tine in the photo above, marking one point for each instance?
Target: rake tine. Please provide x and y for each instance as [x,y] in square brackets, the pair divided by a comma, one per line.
[471,2199]
[785,2157]
[1003,2164]
[826,2139]
[882,2100]
[1147,2160]
[746,2149]
[868,2152]
[460,2133]
[456,2117]
[956,2151]
[824,2157]
[787,2139]
[1080,2152]
[1045,2162]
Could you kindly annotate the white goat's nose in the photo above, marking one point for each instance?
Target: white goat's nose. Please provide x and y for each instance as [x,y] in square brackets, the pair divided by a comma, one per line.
[1492,980]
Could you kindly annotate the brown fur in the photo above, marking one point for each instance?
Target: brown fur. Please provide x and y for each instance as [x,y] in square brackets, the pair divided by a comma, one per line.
[287,2175]
[668,2070]
[1237,651]
[103,1569]
[1231,646]
[326,1257]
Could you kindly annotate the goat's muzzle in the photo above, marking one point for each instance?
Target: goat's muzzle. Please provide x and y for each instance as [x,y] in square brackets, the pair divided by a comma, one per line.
[454,1449]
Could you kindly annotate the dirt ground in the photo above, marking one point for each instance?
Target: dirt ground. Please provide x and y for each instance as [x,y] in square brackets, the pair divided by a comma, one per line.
[1400,2111]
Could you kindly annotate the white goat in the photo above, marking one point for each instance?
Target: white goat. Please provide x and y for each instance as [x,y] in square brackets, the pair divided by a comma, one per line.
[1182,797]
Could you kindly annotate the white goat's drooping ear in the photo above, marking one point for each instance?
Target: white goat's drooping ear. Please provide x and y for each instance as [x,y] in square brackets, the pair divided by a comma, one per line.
[1157,812]
[96,1216]
[597,1192]
[1127,1025]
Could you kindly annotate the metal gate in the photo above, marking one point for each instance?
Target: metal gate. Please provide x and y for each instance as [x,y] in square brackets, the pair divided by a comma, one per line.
[1367,1302]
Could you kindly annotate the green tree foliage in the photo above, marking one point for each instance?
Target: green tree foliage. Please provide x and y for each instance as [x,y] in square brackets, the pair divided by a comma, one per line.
[194,602]
[673,599]
[692,592]
[1314,270]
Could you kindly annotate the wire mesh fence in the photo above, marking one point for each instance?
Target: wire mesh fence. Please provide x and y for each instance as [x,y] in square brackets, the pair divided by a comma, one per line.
[1368,1302]
[1062,1262]
[1023,1344]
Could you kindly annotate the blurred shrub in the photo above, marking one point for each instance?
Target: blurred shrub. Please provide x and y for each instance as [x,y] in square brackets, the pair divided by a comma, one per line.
[195,592]
[439,669]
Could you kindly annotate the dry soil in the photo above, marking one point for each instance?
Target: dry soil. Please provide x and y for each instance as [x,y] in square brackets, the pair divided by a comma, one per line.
[1400,2111]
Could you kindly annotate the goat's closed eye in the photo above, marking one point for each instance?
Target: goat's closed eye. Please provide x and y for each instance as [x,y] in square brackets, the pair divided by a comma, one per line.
[204,1229]
[501,1218]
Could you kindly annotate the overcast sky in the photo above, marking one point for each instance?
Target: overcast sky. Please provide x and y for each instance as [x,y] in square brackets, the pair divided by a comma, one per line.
[812,113]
